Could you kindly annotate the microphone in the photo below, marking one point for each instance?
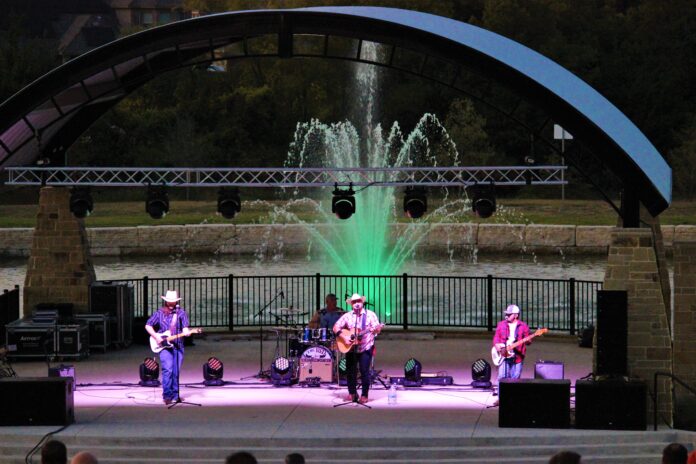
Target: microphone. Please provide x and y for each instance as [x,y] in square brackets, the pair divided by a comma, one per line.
[282,294]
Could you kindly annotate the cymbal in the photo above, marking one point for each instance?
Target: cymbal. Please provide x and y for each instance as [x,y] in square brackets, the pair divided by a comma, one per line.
[283,329]
[290,310]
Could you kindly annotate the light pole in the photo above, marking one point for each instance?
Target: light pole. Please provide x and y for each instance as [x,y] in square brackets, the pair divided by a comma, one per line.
[561,134]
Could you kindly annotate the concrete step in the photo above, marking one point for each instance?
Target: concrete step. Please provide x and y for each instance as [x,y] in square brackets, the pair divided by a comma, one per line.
[625,448]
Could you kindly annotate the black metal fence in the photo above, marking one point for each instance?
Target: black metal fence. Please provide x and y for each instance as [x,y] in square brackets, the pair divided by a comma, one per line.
[406,300]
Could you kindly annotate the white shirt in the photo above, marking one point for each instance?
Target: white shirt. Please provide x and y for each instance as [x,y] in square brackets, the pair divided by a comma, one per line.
[350,320]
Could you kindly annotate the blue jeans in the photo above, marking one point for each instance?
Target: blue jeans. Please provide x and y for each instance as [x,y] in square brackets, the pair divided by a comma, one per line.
[509,370]
[171,360]
[353,360]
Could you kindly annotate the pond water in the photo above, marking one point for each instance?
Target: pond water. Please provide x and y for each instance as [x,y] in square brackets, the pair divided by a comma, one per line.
[12,271]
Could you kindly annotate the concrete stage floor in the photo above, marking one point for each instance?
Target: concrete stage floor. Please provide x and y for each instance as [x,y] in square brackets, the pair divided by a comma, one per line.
[108,402]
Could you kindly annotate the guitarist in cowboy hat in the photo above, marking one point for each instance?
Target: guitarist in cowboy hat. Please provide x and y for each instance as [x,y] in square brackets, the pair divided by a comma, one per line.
[358,329]
[507,332]
[173,318]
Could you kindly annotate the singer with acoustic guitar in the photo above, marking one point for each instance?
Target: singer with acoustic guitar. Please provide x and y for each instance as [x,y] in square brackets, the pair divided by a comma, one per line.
[355,336]
[172,323]
[510,344]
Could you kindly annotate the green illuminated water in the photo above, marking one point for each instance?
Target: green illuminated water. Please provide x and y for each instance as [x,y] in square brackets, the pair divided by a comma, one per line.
[365,243]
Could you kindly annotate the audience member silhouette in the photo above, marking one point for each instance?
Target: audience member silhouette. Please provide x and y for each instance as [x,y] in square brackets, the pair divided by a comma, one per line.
[54,452]
[241,457]
[674,453]
[84,457]
[294,458]
[565,457]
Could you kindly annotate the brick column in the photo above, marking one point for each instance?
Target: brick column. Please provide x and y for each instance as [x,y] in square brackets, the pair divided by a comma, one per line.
[685,332]
[632,266]
[60,266]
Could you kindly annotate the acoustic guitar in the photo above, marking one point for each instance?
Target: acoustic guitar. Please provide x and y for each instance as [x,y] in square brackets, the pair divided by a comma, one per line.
[347,338]
[167,339]
[500,351]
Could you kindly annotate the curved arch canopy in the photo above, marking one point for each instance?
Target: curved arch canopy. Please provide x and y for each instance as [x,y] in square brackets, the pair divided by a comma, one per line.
[47,116]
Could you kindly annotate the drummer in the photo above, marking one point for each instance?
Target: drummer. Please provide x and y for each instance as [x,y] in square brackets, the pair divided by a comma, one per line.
[327,316]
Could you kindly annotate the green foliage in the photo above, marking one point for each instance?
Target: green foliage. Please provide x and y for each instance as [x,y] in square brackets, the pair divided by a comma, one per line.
[638,53]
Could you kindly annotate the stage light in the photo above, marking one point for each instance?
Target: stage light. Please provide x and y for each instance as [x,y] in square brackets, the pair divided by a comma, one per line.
[229,203]
[157,203]
[343,202]
[483,200]
[149,373]
[81,204]
[481,374]
[412,370]
[212,372]
[281,372]
[415,202]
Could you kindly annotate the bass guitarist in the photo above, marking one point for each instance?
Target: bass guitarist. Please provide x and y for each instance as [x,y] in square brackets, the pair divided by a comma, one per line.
[508,332]
[173,318]
[358,329]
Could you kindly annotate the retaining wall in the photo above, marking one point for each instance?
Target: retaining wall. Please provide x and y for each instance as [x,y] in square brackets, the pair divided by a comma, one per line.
[293,238]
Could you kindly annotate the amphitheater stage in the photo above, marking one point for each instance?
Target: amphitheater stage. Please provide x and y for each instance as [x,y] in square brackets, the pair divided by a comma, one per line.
[124,422]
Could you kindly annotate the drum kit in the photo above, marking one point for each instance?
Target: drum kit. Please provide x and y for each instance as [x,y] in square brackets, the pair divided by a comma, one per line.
[311,351]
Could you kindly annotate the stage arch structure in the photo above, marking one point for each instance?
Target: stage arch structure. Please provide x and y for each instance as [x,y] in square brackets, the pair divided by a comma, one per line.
[45,118]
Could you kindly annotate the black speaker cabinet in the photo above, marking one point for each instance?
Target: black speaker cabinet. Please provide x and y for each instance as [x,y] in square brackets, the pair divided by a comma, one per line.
[610,404]
[612,332]
[534,403]
[37,401]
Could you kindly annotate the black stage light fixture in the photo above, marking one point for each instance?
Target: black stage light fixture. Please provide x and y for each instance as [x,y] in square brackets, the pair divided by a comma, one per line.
[229,203]
[415,202]
[212,372]
[281,372]
[343,202]
[483,200]
[481,374]
[81,203]
[149,373]
[412,370]
[157,203]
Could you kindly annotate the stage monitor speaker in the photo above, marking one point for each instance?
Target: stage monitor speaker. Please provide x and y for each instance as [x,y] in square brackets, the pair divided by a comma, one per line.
[37,401]
[534,403]
[550,370]
[610,404]
[612,332]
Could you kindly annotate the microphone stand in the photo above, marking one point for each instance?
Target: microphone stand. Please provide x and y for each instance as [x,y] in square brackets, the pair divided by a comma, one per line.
[261,374]
[176,363]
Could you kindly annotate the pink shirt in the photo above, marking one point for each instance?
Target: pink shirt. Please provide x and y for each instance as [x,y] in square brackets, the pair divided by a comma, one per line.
[350,320]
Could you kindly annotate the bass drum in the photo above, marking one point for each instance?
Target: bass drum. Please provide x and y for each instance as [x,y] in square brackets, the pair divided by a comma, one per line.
[317,353]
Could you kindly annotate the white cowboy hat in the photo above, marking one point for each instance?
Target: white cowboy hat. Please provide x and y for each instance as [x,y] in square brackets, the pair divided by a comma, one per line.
[512,309]
[355,297]
[172,296]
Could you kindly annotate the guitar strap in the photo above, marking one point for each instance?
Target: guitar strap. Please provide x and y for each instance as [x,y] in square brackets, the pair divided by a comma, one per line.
[172,324]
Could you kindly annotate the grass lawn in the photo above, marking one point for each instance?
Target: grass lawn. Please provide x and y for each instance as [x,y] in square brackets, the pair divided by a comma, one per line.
[516,211]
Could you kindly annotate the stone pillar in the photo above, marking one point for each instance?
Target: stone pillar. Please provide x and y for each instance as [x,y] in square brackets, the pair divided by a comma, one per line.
[685,332]
[632,266]
[60,266]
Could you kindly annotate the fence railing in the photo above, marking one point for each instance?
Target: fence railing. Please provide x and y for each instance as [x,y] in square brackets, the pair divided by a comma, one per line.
[405,300]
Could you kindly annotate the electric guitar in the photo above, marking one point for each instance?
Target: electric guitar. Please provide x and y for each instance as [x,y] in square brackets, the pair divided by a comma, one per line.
[167,339]
[347,338]
[500,351]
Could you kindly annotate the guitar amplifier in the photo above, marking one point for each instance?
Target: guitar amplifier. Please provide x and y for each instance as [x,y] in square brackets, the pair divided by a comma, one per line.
[316,368]
[551,370]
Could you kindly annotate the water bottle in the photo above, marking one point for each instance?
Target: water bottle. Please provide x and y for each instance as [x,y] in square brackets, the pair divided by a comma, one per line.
[391,397]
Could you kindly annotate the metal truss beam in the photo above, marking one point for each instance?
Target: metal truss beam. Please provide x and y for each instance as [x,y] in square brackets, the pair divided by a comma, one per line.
[287,177]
